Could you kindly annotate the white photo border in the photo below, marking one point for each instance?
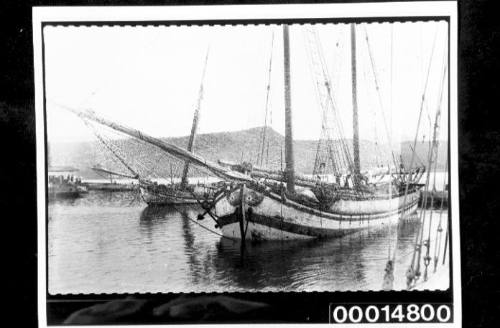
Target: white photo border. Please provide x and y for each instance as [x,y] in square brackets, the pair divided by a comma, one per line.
[232,14]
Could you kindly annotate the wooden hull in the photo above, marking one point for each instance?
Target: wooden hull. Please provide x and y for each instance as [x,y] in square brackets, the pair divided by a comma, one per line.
[171,196]
[272,218]
[111,187]
[64,195]
[373,206]
[65,191]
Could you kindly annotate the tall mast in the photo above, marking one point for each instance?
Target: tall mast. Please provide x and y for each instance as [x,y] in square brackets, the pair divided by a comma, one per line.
[355,126]
[194,127]
[289,169]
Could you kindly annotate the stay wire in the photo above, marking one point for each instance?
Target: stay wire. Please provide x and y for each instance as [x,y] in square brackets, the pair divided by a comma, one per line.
[203,226]
[407,184]
[372,61]
[260,156]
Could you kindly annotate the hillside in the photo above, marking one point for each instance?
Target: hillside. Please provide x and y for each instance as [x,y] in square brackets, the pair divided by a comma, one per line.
[230,146]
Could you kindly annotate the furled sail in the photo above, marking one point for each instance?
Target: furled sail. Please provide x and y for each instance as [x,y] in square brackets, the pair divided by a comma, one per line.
[173,150]
[106,171]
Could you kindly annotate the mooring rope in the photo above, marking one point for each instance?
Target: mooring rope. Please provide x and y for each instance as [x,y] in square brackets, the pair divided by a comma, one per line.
[203,226]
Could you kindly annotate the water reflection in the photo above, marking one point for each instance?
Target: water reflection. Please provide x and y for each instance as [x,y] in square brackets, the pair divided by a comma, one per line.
[315,264]
[100,198]
[116,244]
[292,265]
[154,218]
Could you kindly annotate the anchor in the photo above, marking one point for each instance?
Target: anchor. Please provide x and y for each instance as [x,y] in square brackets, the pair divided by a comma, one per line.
[208,207]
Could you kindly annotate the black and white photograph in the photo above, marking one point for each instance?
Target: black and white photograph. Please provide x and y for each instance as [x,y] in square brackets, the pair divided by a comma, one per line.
[267,155]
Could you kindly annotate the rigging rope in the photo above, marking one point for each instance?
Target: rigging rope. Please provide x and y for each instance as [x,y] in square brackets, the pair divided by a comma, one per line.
[204,227]
[378,152]
[439,229]
[420,162]
[260,155]
[390,266]
[374,71]
[337,151]
[446,239]
[391,89]
[152,164]
[389,278]
[109,142]
[111,149]
[420,116]
[427,257]
[414,270]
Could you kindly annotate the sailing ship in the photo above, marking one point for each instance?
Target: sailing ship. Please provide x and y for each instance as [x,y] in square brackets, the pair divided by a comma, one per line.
[152,192]
[181,193]
[258,204]
[256,212]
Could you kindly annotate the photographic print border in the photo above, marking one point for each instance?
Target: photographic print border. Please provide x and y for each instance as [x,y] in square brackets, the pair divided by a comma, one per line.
[245,15]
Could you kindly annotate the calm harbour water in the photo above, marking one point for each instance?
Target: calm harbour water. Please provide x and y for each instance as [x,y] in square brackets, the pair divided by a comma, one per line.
[113,243]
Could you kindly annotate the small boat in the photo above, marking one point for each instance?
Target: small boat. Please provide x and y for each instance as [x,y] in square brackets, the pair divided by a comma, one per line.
[110,186]
[65,191]
[435,198]
[65,187]
[175,194]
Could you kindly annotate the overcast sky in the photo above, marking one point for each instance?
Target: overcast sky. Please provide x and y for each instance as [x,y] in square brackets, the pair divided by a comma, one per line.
[148,78]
